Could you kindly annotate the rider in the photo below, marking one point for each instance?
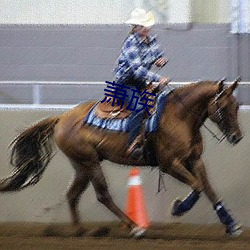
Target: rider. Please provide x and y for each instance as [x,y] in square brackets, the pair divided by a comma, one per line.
[138,54]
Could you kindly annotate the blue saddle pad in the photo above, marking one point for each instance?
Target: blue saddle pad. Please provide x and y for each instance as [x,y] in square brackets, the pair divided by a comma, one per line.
[152,123]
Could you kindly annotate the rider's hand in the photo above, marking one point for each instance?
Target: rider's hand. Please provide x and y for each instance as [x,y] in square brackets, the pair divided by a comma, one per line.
[164,80]
[160,62]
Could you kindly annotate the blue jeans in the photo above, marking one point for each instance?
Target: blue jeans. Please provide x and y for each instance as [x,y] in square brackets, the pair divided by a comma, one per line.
[136,118]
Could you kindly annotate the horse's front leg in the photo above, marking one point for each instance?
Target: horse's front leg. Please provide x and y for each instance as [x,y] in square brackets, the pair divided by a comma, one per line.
[181,173]
[199,170]
[232,227]
[183,206]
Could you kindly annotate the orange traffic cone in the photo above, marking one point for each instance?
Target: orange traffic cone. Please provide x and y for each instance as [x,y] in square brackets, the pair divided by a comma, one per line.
[136,209]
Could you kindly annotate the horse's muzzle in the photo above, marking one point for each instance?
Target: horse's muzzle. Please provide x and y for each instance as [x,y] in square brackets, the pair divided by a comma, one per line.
[234,138]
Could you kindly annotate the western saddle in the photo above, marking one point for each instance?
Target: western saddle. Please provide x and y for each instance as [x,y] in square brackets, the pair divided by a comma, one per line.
[108,110]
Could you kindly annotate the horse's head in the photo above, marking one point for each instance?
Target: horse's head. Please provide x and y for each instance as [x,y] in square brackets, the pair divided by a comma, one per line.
[223,111]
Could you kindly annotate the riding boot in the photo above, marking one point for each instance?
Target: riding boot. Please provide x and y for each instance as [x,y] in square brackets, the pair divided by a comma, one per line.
[136,135]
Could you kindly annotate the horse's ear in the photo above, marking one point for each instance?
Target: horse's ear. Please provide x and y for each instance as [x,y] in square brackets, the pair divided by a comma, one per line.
[221,85]
[235,84]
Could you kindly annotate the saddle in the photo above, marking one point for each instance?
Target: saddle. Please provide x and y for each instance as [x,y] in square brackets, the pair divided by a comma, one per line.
[108,110]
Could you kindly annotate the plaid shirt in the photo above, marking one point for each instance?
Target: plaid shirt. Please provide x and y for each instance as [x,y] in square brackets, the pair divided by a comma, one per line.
[136,59]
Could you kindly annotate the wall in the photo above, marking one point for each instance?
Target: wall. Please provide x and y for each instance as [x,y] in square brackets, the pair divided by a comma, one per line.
[88,53]
[88,11]
[64,12]
[101,12]
[227,167]
[73,51]
[213,11]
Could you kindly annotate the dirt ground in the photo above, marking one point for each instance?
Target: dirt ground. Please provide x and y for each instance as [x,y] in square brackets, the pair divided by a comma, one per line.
[168,236]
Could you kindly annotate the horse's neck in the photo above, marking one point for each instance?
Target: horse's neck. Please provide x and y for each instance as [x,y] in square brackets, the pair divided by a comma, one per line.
[195,102]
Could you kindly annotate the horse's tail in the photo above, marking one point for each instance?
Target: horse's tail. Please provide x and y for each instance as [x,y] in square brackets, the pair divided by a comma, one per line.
[31,152]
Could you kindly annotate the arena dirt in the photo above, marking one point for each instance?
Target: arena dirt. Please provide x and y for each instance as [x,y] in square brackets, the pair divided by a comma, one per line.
[114,236]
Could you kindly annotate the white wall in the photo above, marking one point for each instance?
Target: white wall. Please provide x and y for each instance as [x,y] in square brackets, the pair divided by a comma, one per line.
[111,11]
[65,11]
[89,11]
[212,11]
[179,11]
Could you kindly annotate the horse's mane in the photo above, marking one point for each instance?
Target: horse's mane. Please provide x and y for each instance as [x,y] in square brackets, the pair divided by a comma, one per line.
[185,91]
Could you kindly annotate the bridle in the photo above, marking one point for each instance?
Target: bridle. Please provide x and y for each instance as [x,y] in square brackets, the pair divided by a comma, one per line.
[218,114]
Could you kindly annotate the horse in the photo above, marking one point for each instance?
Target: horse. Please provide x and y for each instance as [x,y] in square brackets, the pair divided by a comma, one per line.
[178,147]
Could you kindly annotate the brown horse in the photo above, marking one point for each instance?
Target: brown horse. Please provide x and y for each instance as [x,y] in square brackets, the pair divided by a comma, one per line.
[177,144]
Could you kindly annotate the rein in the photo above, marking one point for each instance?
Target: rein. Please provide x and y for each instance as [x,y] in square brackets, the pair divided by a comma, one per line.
[191,112]
[161,183]
[208,129]
[218,113]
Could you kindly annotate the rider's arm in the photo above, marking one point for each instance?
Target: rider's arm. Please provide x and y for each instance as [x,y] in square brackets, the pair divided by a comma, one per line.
[156,51]
[132,54]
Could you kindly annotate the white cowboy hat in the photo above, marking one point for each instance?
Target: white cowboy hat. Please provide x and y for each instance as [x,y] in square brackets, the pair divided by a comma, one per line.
[141,17]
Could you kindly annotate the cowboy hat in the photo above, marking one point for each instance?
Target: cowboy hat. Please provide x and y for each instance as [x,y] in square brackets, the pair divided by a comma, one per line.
[141,17]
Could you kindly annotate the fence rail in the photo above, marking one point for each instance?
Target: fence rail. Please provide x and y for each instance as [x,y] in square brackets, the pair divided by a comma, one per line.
[85,83]
[60,94]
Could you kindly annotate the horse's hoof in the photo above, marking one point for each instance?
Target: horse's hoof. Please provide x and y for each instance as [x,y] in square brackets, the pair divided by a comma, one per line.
[138,232]
[174,209]
[234,229]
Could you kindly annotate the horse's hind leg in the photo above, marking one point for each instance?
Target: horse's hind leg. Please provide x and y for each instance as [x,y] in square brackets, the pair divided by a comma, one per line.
[103,196]
[78,186]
